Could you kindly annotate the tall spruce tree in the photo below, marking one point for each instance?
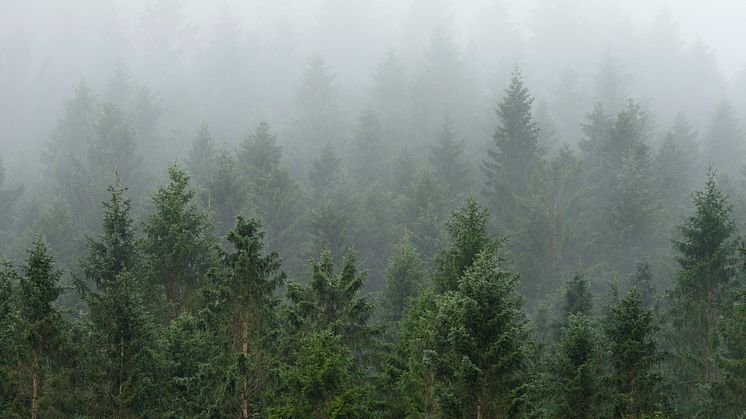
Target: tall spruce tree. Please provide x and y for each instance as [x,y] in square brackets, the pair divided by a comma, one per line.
[512,160]
[576,371]
[477,349]
[178,241]
[630,329]
[467,227]
[707,259]
[725,140]
[446,161]
[41,324]
[403,279]
[249,304]
[122,366]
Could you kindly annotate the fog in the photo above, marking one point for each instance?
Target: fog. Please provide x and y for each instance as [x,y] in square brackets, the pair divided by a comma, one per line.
[351,208]
[244,60]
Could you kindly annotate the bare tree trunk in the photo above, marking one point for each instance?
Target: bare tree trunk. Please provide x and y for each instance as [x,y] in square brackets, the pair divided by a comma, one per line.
[244,383]
[34,384]
[121,364]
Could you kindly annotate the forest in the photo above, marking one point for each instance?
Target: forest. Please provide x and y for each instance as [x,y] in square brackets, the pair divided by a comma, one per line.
[352,209]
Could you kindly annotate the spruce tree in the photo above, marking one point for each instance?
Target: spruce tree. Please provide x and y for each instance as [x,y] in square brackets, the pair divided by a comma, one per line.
[333,301]
[707,259]
[725,140]
[403,279]
[677,163]
[477,349]
[10,400]
[248,307]
[122,366]
[178,242]
[516,151]
[467,227]
[636,381]
[41,323]
[576,371]
[446,161]
[201,159]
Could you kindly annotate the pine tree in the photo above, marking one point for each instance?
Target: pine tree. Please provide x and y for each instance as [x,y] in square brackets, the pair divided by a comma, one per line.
[576,299]
[576,371]
[706,256]
[318,102]
[42,325]
[725,140]
[511,162]
[403,280]
[249,304]
[322,381]
[332,301]
[677,163]
[122,367]
[226,194]
[178,241]
[201,160]
[273,193]
[325,172]
[477,350]
[10,400]
[445,159]
[8,200]
[370,155]
[467,227]
[630,330]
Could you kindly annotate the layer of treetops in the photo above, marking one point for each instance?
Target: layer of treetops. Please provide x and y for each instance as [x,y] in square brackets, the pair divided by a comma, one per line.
[605,281]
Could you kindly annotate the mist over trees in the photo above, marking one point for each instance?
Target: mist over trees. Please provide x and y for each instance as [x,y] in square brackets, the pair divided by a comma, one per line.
[370,209]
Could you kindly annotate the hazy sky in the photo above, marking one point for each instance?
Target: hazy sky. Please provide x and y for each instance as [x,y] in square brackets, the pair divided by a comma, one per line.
[720,24]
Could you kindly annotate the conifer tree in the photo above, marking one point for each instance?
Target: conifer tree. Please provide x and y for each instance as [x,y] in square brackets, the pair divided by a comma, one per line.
[630,330]
[725,140]
[477,350]
[178,241]
[122,365]
[370,161]
[467,227]
[272,192]
[511,162]
[332,301]
[42,325]
[10,403]
[706,256]
[576,371]
[445,159]
[677,164]
[249,302]
[202,155]
[8,200]
[403,279]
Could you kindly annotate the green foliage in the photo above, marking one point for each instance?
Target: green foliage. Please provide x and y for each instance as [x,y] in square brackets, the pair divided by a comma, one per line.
[630,329]
[178,242]
[332,302]
[121,365]
[446,161]
[322,381]
[576,371]
[512,161]
[247,287]
[467,227]
[707,260]
[403,281]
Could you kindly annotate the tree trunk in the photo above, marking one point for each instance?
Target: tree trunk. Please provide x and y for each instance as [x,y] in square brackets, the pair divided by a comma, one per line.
[244,382]
[34,384]
[121,364]
[708,333]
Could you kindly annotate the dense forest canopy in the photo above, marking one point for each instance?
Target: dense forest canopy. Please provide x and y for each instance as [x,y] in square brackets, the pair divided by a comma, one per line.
[387,209]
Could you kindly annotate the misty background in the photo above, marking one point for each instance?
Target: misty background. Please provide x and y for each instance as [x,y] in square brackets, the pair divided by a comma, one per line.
[233,64]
